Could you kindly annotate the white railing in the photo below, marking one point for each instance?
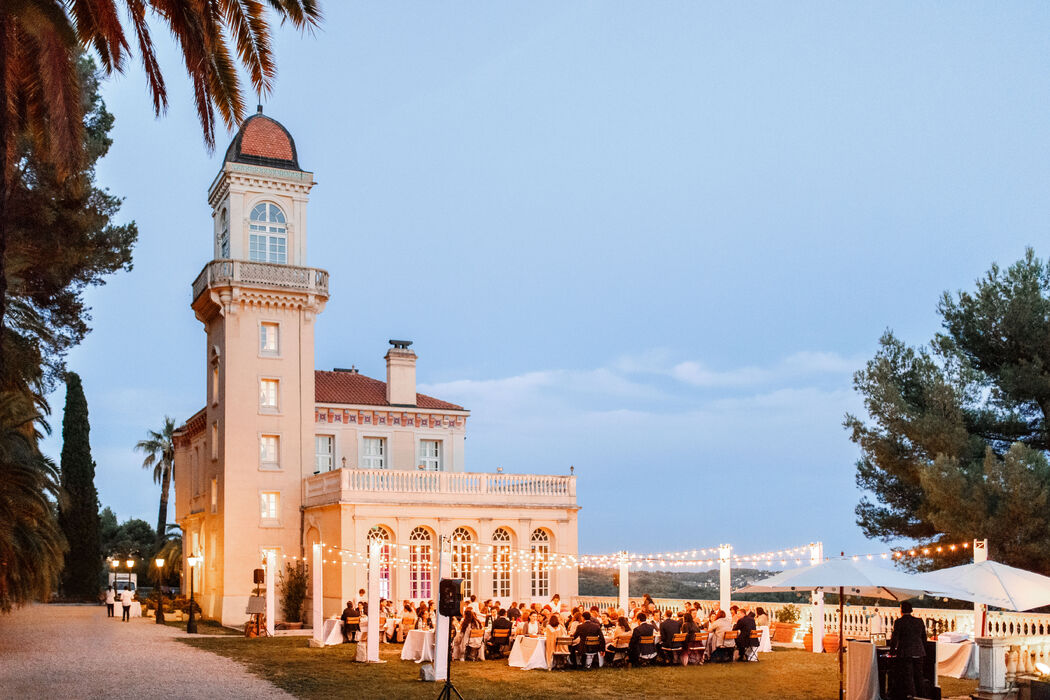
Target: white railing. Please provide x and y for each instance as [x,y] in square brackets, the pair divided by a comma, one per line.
[404,486]
[218,272]
[856,619]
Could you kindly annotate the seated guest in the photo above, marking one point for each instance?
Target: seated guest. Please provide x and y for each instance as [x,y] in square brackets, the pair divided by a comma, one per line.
[636,650]
[586,628]
[717,631]
[500,623]
[574,622]
[553,631]
[349,630]
[424,621]
[745,625]
[761,618]
[530,624]
[606,622]
[408,620]
[668,629]
[691,632]
[513,613]
[464,640]
[621,640]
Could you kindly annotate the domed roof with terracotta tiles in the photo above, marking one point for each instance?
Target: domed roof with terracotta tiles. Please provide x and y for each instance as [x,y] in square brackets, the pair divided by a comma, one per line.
[263,141]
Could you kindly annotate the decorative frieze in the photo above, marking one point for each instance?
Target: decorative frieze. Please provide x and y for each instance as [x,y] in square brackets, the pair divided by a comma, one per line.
[385,419]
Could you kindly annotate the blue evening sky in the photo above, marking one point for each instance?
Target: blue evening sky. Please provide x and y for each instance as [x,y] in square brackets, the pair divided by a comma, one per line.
[652,240]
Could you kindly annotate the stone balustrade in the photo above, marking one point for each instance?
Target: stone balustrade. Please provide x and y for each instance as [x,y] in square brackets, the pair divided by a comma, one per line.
[223,272]
[451,488]
[1034,628]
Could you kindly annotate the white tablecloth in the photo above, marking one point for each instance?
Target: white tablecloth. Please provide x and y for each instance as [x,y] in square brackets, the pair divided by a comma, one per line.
[419,646]
[764,644]
[528,653]
[332,632]
[136,609]
[862,671]
[957,660]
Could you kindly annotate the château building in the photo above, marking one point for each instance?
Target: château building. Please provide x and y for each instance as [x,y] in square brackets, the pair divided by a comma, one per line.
[284,455]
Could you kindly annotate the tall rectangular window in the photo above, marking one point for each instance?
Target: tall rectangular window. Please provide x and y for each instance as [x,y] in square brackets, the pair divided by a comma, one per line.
[268,394]
[374,453]
[269,452]
[214,495]
[214,384]
[214,440]
[269,339]
[270,505]
[324,457]
[430,455]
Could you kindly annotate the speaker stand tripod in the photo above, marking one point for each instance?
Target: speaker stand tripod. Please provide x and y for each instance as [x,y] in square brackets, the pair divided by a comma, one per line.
[449,689]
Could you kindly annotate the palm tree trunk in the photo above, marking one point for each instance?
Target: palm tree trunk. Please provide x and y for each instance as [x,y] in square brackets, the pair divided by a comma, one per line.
[162,516]
[5,174]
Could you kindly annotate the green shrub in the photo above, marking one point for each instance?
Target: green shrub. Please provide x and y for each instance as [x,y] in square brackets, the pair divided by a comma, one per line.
[789,614]
[292,585]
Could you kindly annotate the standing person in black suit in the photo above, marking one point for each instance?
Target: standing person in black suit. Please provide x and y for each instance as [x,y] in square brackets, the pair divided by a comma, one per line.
[745,625]
[668,629]
[908,646]
[587,628]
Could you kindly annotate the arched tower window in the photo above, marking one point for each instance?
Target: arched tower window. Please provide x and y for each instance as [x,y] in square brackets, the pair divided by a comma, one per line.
[541,553]
[379,534]
[268,241]
[501,563]
[463,558]
[224,234]
[419,558]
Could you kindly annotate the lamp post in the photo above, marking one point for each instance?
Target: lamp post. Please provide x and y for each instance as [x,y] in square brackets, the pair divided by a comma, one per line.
[130,563]
[159,617]
[191,624]
[113,564]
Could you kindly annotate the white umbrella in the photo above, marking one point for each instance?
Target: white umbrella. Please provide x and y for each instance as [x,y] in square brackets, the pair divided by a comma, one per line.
[860,577]
[850,577]
[992,583]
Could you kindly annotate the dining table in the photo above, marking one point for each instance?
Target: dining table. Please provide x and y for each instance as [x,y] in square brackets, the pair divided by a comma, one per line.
[332,631]
[419,646]
[528,653]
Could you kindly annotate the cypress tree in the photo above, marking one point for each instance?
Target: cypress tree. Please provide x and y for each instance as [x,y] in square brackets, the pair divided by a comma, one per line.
[79,517]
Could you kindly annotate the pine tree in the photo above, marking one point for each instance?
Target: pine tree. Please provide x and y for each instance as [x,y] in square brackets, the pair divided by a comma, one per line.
[79,517]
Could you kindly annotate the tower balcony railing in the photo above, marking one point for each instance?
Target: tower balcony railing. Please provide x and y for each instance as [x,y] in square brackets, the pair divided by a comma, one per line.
[439,488]
[219,272]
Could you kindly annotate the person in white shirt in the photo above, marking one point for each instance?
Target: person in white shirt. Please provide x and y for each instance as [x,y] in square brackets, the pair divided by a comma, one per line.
[125,602]
[111,599]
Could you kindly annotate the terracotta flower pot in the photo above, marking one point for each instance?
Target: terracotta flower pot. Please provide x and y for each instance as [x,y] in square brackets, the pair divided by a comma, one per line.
[807,641]
[784,633]
[831,643]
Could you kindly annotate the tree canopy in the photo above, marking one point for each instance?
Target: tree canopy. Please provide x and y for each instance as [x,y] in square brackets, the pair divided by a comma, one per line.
[956,442]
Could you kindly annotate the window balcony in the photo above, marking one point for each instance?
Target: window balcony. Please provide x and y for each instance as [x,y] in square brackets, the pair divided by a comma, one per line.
[439,488]
[224,273]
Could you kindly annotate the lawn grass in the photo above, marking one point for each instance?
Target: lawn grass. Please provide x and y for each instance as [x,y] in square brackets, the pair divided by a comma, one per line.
[289,663]
[204,627]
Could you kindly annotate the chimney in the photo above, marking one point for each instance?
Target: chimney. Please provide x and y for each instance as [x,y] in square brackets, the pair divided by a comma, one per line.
[401,374]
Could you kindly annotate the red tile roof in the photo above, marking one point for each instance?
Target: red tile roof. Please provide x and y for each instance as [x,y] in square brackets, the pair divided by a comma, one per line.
[265,138]
[354,388]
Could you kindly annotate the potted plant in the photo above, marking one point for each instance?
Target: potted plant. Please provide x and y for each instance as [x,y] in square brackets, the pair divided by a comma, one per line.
[787,624]
[292,585]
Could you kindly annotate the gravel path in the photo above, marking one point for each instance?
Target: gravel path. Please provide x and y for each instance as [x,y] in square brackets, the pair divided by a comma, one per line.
[63,652]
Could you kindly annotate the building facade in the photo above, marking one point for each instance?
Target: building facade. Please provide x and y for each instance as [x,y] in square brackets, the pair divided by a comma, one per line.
[283,455]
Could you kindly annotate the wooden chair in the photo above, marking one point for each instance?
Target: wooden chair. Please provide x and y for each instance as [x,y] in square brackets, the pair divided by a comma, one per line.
[475,643]
[672,647]
[560,656]
[698,647]
[751,650]
[616,652]
[725,651]
[592,647]
[351,627]
[498,643]
[646,650]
